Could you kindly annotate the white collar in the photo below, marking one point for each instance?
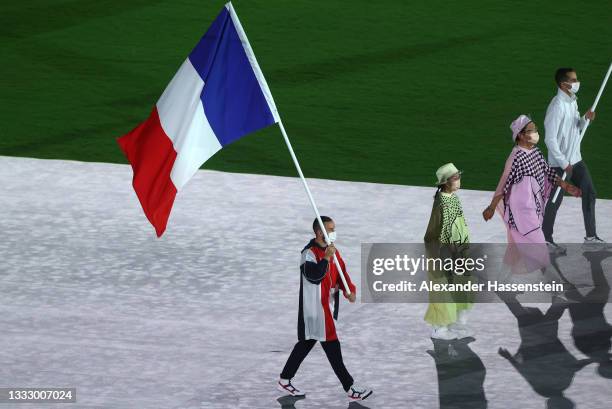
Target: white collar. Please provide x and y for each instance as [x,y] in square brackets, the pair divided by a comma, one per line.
[564,97]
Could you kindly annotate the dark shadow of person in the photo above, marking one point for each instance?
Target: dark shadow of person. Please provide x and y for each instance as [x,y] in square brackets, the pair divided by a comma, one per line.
[357,405]
[288,402]
[461,374]
[542,359]
[591,332]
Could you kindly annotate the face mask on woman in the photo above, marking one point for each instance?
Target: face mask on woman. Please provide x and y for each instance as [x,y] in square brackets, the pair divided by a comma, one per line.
[534,138]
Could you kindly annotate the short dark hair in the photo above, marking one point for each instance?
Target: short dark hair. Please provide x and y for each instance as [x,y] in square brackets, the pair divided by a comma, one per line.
[561,74]
[315,224]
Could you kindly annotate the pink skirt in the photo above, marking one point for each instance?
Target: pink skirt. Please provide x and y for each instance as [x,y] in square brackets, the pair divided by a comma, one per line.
[527,250]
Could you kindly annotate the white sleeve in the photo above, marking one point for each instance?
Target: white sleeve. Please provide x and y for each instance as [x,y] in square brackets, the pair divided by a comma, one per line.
[552,124]
[581,122]
[308,255]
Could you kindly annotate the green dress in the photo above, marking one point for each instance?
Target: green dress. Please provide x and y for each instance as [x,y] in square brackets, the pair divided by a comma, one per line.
[446,226]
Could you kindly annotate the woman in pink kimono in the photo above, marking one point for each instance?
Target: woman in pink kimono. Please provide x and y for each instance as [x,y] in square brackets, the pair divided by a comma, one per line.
[525,186]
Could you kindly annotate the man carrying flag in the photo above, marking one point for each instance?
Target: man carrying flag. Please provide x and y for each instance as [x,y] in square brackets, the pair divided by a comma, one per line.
[319,282]
[219,95]
[563,125]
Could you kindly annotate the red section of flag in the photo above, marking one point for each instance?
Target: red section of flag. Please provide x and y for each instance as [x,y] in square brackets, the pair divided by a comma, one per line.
[151,154]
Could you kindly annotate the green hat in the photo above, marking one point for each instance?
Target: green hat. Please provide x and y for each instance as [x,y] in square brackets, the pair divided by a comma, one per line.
[445,172]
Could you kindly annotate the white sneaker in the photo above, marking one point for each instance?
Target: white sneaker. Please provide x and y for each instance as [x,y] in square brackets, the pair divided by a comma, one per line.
[594,243]
[461,330]
[443,333]
[357,393]
[285,385]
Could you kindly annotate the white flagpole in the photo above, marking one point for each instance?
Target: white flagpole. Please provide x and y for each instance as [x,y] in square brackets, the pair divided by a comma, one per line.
[586,125]
[312,202]
[268,95]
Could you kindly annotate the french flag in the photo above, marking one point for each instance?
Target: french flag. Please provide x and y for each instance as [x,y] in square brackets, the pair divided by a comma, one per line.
[218,95]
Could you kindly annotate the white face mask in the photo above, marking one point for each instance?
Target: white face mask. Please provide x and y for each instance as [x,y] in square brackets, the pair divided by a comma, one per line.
[575,87]
[332,236]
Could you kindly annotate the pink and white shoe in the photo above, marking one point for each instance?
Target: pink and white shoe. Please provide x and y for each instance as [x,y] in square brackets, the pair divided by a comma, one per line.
[285,385]
[357,393]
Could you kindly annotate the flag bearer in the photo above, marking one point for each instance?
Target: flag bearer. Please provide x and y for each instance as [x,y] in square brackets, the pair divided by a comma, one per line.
[563,126]
[320,283]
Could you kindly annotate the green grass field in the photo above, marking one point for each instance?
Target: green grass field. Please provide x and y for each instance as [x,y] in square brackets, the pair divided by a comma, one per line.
[370,91]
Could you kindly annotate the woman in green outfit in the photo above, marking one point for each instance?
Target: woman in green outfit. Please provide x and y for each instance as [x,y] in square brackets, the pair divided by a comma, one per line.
[447,230]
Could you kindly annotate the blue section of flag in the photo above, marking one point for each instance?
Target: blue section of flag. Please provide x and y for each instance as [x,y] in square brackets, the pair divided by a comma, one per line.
[233,101]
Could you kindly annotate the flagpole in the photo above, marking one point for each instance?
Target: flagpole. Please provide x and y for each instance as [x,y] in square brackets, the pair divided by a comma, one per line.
[268,95]
[586,125]
[312,202]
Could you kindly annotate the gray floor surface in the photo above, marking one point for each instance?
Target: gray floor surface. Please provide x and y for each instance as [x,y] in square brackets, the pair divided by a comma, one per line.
[205,317]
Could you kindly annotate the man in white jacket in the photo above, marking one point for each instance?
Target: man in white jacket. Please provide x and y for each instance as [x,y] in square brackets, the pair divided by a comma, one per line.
[563,125]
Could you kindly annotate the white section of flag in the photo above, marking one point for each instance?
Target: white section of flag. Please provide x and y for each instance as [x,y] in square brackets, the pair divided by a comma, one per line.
[182,117]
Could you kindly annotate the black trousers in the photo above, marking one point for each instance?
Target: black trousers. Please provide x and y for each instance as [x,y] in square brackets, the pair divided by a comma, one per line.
[334,355]
[580,177]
